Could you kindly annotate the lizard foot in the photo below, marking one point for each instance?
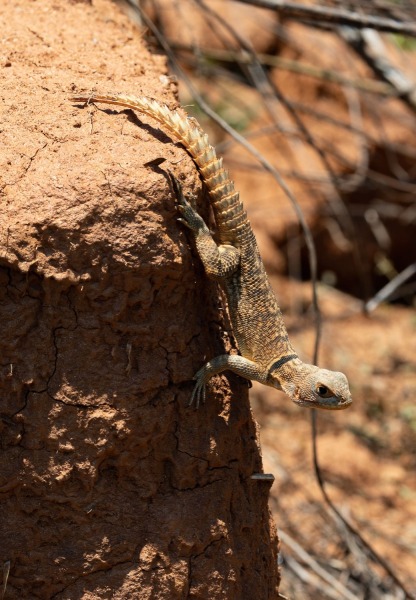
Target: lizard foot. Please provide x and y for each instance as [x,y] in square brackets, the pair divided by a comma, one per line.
[238,364]
[199,391]
[189,217]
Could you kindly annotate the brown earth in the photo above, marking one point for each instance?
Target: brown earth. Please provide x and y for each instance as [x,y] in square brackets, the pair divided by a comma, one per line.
[110,486]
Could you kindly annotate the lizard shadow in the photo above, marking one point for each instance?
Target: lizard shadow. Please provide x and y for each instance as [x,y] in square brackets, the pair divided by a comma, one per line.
[155,132]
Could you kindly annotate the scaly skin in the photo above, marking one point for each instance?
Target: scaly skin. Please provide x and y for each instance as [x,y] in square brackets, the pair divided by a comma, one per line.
[267,355]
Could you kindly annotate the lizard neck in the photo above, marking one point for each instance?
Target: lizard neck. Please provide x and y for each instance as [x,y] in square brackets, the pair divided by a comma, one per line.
[278,364]
[283,371]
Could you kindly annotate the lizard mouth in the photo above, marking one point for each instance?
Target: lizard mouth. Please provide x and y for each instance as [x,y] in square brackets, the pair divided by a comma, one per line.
[325,404]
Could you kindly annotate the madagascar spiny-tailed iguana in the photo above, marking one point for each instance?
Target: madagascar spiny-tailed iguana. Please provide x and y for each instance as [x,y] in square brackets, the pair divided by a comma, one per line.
[267,355]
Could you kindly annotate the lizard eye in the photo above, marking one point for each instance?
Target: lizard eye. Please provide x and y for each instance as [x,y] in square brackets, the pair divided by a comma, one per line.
[323,391]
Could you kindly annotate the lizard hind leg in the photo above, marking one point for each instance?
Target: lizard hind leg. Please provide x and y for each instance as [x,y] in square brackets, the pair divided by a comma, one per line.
[219,261]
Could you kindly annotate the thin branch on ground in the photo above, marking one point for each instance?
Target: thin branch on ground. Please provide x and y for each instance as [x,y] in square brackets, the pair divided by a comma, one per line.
[369,45]
[335,16]
[341,590]
[371,86]
[390,288]
[312,580]
[367,547]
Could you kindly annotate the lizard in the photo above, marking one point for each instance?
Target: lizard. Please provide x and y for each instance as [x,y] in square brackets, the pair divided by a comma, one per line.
[265,354]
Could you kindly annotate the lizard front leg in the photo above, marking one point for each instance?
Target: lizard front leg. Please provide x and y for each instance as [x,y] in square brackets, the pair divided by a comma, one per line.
[219,261]
[237,364]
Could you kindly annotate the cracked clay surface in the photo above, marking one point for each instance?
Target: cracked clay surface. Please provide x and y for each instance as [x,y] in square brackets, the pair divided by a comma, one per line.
[110,487]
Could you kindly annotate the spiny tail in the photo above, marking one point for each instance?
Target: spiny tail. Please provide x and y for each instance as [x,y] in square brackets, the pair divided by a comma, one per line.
[230,215]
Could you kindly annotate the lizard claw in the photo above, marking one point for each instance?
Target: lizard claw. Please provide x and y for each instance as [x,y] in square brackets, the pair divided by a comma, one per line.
[199,391]
[177,187]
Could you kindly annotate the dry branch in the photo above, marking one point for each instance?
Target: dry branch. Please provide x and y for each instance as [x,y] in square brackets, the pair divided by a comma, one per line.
[335,16]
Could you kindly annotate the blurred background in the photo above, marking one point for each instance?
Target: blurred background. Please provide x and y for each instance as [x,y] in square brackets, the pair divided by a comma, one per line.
[313,107]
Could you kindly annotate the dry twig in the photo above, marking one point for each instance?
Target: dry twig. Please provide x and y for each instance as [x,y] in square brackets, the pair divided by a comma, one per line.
[334,16]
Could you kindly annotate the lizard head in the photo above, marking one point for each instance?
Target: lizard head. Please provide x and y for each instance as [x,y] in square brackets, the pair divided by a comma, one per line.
[313,387]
